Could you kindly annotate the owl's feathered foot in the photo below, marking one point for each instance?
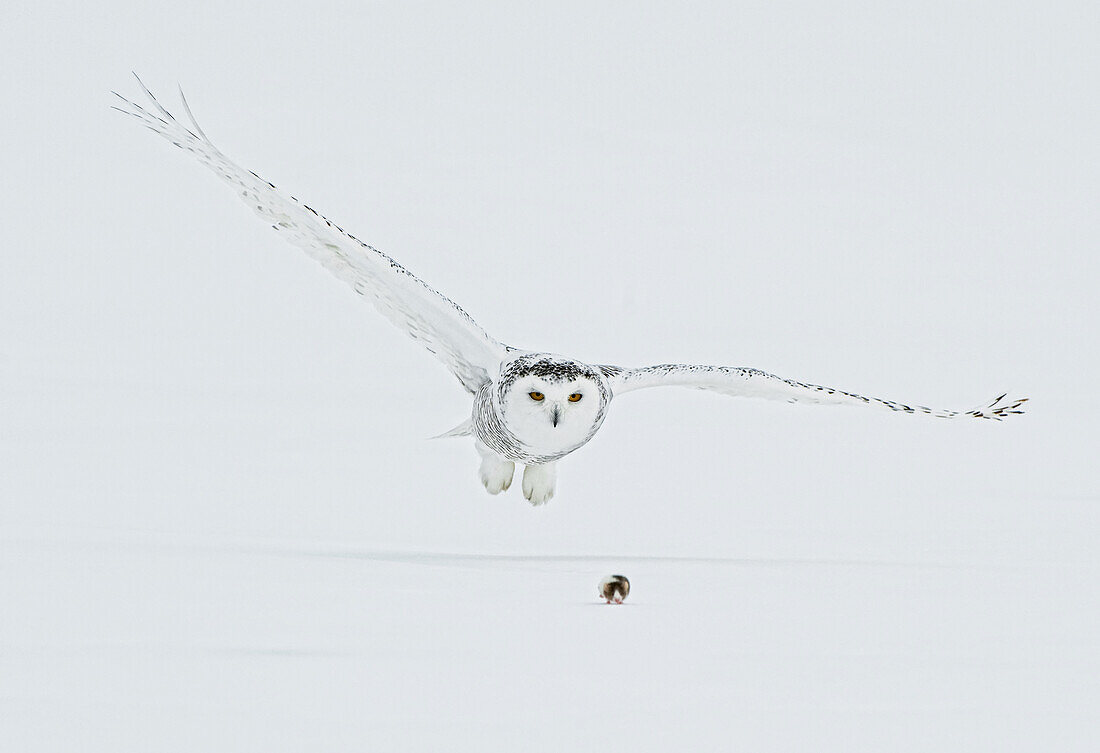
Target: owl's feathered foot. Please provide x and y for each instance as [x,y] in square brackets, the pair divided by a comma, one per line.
[495,472]
[539,482]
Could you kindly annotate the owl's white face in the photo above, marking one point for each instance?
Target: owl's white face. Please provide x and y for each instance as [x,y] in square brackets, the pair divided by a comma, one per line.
[549,415]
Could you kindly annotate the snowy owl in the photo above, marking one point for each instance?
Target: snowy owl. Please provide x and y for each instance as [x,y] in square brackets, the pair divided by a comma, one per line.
[529,407]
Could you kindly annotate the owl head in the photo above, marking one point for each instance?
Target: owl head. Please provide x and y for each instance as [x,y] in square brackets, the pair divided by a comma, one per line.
[550,403]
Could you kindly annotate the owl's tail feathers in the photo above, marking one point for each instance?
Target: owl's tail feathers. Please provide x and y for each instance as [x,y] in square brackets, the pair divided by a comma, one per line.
[464,429]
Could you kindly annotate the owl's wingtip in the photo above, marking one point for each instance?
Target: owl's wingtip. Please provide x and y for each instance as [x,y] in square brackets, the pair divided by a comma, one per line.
[1001,408]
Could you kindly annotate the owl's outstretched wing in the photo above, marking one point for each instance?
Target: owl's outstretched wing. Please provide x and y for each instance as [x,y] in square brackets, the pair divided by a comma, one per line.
[744,382]
[406,300]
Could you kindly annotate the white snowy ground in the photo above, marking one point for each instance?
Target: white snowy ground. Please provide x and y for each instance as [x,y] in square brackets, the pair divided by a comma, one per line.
[140,642]
[222,529]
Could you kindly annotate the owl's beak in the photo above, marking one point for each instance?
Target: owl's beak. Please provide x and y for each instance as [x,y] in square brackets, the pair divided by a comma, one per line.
[556,415]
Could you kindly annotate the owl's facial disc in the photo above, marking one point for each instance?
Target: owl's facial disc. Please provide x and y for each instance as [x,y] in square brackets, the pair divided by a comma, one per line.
[551,404]
[550,414]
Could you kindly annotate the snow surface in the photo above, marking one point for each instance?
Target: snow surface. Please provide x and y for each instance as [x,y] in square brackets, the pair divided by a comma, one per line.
[129,642]
[222,527]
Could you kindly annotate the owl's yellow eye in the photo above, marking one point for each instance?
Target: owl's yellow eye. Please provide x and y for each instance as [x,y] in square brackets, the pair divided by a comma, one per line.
[536,396]
[575,397]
